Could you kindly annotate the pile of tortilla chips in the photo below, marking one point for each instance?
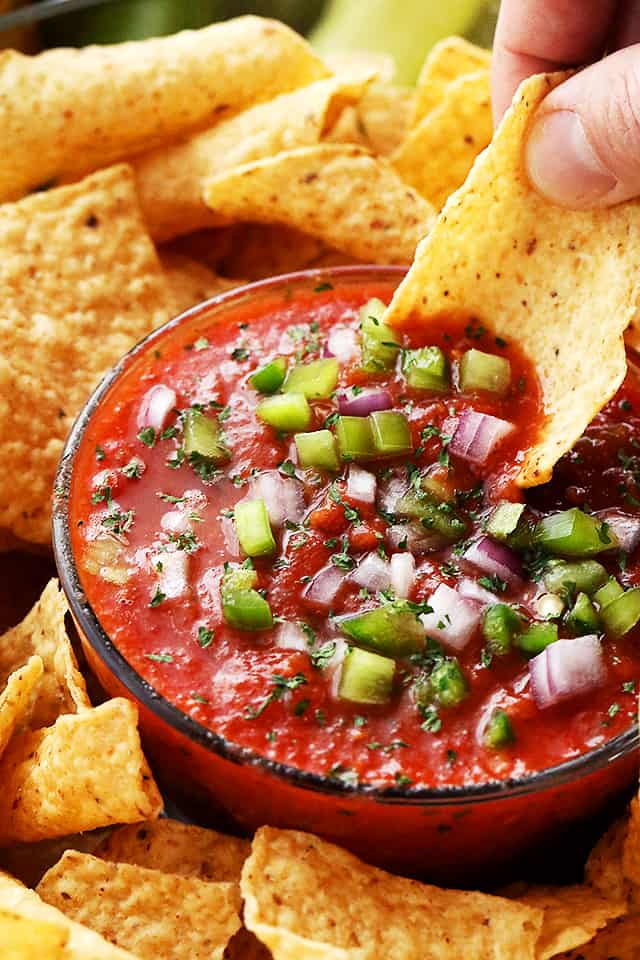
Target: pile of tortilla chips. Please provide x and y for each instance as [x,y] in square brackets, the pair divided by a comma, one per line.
[135,181]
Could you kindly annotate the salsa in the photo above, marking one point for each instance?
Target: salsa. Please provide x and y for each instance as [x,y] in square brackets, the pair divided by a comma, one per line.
[302,528]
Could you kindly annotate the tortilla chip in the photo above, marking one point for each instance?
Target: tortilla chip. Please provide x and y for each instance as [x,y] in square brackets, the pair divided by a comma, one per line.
[15,700]
[572,916]
[80,283]
[181,848]
[384,113]
[447,61]
[102,104]
[380,65]
[306,897]
[42,633]
[23,939]
[631,845]
[341,195]
[266,250]
[603,869]
[537,274]
[153,914]
[28,862]
[84,772]
[438,153]
[169,180]
[82,943]
[619,941]
[191,282]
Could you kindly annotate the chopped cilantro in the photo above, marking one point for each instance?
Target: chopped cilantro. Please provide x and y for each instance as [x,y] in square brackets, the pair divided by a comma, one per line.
[614,710]
[301,707]
[629,686]
[240,353]
[344,775]
[493,583]
[100,453]
[198,698]
[133,469]
[486,657]
[203,466]
[281,685]
[102,495]
[360,721]
[157,598]
[118,523]
[159,657]
[342,560]
[402,780]
[271,736]
[321,719]
[177,459]
[201,343]
[431,722]
[288,468]
[452,757]
[169,498]
[185,541]
[321,657]
[205,637]
[148,436]
[322,287]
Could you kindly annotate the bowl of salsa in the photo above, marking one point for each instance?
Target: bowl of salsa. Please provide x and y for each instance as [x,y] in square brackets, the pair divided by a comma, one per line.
[293,536]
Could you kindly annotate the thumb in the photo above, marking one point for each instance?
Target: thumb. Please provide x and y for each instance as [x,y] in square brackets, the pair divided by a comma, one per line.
[583,149]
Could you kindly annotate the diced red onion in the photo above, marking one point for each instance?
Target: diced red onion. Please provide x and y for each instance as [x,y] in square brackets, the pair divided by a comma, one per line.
[361,485]
[454,620]
[175,522]
[172,577]
[566,669]
[290,636]
[341,343]
[283,497]
[403,574]
[624,527]
[365,402]
[495,559]
[323,588]
[333,670]
[208,590]
[157,404]
[231,541]
[373,573]
[472,590]
[391,490]
[412,537]
[478,435]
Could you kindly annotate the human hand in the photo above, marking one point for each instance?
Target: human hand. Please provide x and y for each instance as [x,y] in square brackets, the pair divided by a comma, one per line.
[583,150]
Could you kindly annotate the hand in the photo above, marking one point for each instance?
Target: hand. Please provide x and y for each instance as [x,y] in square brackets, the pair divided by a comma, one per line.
[584,146]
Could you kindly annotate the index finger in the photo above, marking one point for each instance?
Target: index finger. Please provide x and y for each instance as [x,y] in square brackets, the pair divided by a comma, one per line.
[538,36]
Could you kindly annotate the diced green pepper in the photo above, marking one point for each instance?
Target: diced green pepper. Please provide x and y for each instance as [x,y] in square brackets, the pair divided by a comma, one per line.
[203,436]
[391,433]
[573,533]
[287,412]
[366,677]
[504,520]
[246,610]
[448,683]
[582,619]
[253,528]
[608,593]
[426,369]
[500,625]
[498,732]
[622,614]
[485,371]
[378,341]
[318,450]
[355,439]
[536,637]
[270,378]
[316,380]
[440,517]
[587,575]
[392,630]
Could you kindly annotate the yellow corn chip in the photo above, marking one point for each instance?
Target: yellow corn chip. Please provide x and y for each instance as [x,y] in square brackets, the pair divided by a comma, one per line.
[191,281]
[306,897]
[42,633]
[102,104]
[28,862]
[538,274]
[82,943]
[266,250]
[619,941]
[154,914]
[84,772]
[438,153]
[572,916]
[169,180]
[23,939]
[338,194]
[384,113]
[448,60]
[80,283]
[603,869]
[15,700]
[631,846]
[174,847]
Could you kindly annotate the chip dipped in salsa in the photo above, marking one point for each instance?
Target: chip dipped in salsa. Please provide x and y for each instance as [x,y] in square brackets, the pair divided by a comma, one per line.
[302,527]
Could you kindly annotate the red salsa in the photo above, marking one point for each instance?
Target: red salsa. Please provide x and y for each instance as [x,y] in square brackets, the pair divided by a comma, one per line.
[303,529]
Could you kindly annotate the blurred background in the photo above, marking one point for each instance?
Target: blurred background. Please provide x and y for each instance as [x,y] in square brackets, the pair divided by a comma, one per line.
[404,29]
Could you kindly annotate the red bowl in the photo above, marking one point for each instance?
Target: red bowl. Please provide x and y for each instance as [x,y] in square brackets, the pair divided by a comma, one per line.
[449,834]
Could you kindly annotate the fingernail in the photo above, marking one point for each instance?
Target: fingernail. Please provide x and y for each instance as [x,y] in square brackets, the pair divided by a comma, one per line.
[561,162]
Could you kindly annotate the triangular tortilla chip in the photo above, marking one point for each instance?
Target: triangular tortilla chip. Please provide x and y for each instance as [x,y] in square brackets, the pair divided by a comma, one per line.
[438,153]
[603,869]
[169,180]
[562,284]
[339,194]
[103,103]
[154,914]
[191,282]
[23,939]
[15,699]
[307,898]
[618,941]
[84,772]
[448,60]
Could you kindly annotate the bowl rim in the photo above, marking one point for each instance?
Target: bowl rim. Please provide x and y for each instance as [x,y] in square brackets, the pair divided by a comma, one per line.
[141,690]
